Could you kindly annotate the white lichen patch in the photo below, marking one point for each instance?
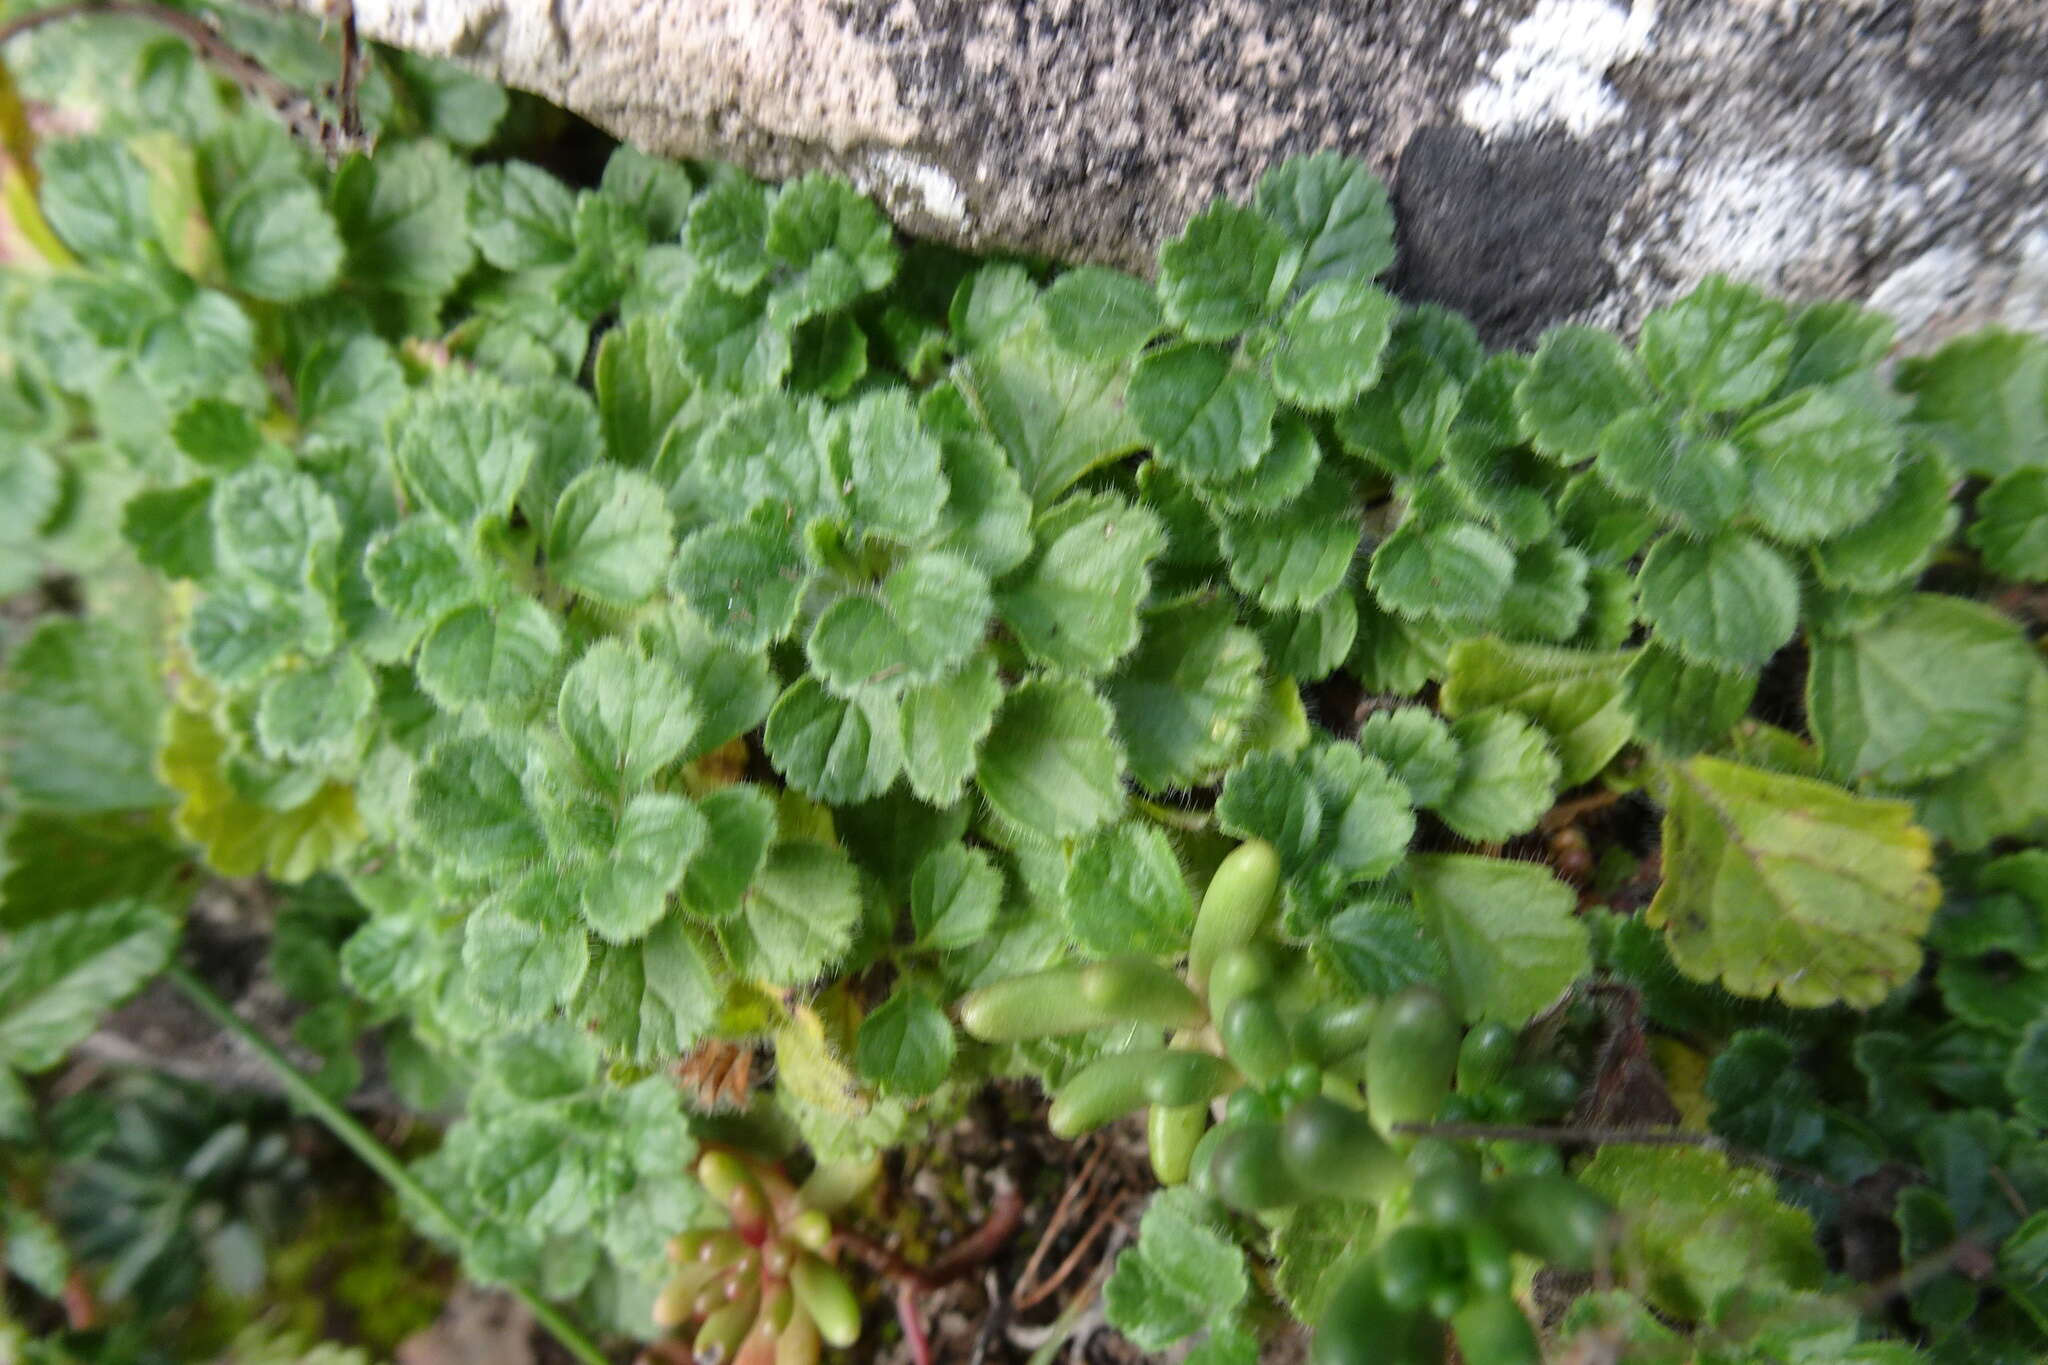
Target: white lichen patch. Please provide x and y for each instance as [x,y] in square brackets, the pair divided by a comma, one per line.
[893,174]
[1553,72]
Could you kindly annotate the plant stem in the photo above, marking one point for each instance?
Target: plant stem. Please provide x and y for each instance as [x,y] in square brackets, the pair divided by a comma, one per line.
[364,1144]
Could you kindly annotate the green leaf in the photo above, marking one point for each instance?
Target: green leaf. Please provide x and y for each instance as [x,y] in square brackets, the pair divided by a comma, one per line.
[95,194]
[1983,398]
[1381,945]
[1102,315]
[59,863]
[1785,884]
[1547,598]
[640,389]
[1281,476]
[2011,528]
[1914,520]
[798,917]
[1076,605]
[1832,341]
[626,715]
[79,715]
[1402,424]
[1506,779]
[906,1045]
[745,579]
[452,103]
[171,529]
[740,824]
[2005,792]
[347,388]
[658,835]
[1582,380]
[1683,707]
[1933,684]
[1575,695]
[1511,931]
[1125,894]
[236,634]
[520,216]
[728,233]
[1050,764]
[1055,415]
[1267,796]
[1331,341]
[728,340]
[1367,821]
[278,242]
[499,659]
[1730,601]
[1453,571]
[943,726]
[418,570]
[1225,271]
[658,191]
[954,896]
[1417,747]
[460,447]
[1610,528]
[764,448]
[1204,417]
[523,955]
[317,714]
[987,517]
[1183,1273]
[2026,1074]
[929,615]
[1722,346]
[837,750]
[823,227]
[1821,462]
[57,977]
[469,807]
[650,1001]
[887,466]
[1299,555]
[405,217]
[1697,1227]
[733,690]
[1185,697]
[1310,645]
[1334,210]
[275,525]
[611,536]
[1646,456]
[990,303]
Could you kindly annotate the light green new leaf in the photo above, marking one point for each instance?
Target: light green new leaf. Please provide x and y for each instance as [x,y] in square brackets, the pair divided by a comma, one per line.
[1786,884]
[1507,777]
[1911,524]
[316,714]
[611,536]
[887,467]
[1722,346]
[57,977]
[1453,571]
[1984,400]
[1183,1273]
[2011,528]
[95,194]
[1056,415]
[278,242]
[740,826]
[1227,269]
[640,389]
[498,659]
[1576,695]
[1334,210]
[520,216]
[1205,417]
[728,233]
[1731,601]
[1050,764]
[1683,707]
[1102,315]
[1125,894]
[469,807]
[1511,931]
[419,570]
[1416,746]
[745,579]
[943,726]
[906,1045]
[1185,696]
[993,301]
[238,632]
[798,916]
[1294,558]
[1331,341]
[954,896]
[1582,380]
[625,714]
[836,750]
[405,217]
[928,616]
[79,714]
[1367,821]
[1820,463]
[1933,684]
[658,835]
[649,1002]
[462,450]
[1076,605]
[1647,456]
[275,525]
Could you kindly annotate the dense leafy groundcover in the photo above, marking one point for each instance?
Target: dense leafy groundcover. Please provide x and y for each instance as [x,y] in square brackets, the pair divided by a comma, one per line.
[678,610]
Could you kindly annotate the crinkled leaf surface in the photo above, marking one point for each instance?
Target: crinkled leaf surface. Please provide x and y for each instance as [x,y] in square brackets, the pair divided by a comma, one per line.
[1510,930]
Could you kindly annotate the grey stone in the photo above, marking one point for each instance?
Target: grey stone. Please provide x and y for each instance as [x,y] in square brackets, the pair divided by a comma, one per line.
[1566,159]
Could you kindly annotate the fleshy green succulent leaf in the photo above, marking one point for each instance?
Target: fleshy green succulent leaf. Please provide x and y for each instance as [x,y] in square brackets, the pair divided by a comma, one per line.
[1510,930]
[1645,455]
[1820,463]
[929,615]
[60,975]
[79,714]
[405,215]
[954,896]
[1205,417]
[943,725]
[1227,269]
[626,715]
[1683,707]
[1933,684]
[1722,346]
[460,447]
[1452,571]
[1330,343]
[740,826]
[419,570]
[906,1045]
[1101,315]
[469,807]
[1295,557]
[1050,763]
[1730,601]
[1983,399]
[745,579]
[1125,894]
[1582,380]
[1911,524]
[611,536]
[798,916]
[2011,529]
[1075,606]
[1576,695]
[1334,211]
[837,750]
[1784,884]
[1507,776]
[316,714]
[498,659]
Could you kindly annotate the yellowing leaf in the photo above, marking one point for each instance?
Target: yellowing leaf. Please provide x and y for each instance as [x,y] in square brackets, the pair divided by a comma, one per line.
[240,837]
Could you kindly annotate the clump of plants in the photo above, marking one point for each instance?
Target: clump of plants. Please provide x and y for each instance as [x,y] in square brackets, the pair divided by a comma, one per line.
[670,618]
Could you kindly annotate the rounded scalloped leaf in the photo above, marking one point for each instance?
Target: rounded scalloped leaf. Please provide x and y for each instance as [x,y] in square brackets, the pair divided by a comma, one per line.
[1730,601]
[1204,417]
[1050,764]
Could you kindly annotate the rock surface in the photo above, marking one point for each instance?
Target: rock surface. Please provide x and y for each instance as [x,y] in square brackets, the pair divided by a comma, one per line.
[1559,159]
